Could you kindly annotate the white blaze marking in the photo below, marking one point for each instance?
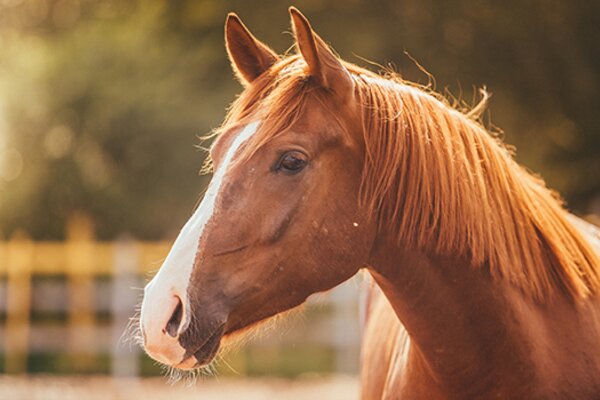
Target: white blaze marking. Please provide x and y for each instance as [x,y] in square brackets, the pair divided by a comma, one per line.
[174,275]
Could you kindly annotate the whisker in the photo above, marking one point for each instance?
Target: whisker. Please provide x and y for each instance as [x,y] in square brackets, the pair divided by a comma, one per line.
[132,334]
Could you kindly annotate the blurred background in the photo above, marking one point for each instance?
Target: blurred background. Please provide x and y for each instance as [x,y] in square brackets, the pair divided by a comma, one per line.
[102,104]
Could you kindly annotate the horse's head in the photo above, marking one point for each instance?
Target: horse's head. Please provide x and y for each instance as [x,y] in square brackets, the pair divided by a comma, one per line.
[280,219]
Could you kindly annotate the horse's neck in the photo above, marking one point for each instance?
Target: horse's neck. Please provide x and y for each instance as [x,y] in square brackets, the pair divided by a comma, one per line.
[462,324]
[479,337]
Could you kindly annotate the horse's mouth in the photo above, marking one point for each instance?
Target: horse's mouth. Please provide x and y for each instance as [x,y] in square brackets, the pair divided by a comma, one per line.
[204,354]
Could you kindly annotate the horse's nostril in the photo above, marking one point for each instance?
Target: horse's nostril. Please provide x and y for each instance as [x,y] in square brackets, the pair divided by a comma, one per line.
[172,327]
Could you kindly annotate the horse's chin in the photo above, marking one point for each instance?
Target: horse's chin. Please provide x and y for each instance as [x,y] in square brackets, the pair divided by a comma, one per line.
[207,353]
[227,337]
[203,355]
[239,334]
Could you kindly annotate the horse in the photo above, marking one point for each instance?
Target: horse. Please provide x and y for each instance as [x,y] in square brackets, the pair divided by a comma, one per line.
[484,285]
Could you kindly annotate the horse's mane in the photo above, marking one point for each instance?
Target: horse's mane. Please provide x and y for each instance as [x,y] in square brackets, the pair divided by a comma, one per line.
[439,181]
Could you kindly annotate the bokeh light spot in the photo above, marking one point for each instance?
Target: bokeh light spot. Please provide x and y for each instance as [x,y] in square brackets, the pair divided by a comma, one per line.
[11,164]
[58,141]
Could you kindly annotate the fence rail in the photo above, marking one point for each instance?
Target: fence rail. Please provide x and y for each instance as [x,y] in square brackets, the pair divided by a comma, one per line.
[80,261]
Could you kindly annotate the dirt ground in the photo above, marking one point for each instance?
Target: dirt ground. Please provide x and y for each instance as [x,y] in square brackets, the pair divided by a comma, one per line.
[107,388]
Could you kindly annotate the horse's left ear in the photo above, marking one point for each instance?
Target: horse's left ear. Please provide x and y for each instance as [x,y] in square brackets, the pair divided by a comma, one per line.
[323,65]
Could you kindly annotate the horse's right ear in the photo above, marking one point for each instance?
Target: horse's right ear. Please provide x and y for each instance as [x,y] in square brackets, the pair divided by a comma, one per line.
[249,56]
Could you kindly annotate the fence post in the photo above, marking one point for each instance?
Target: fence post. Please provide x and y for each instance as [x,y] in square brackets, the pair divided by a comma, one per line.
[18,280]
[345,332]
[124,298]
[80,273]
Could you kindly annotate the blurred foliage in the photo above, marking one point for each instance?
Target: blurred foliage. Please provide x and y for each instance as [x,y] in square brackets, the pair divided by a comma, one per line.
[101,102]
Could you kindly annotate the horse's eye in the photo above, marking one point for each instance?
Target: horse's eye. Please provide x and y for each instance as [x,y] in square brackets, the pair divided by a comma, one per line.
[292,162]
